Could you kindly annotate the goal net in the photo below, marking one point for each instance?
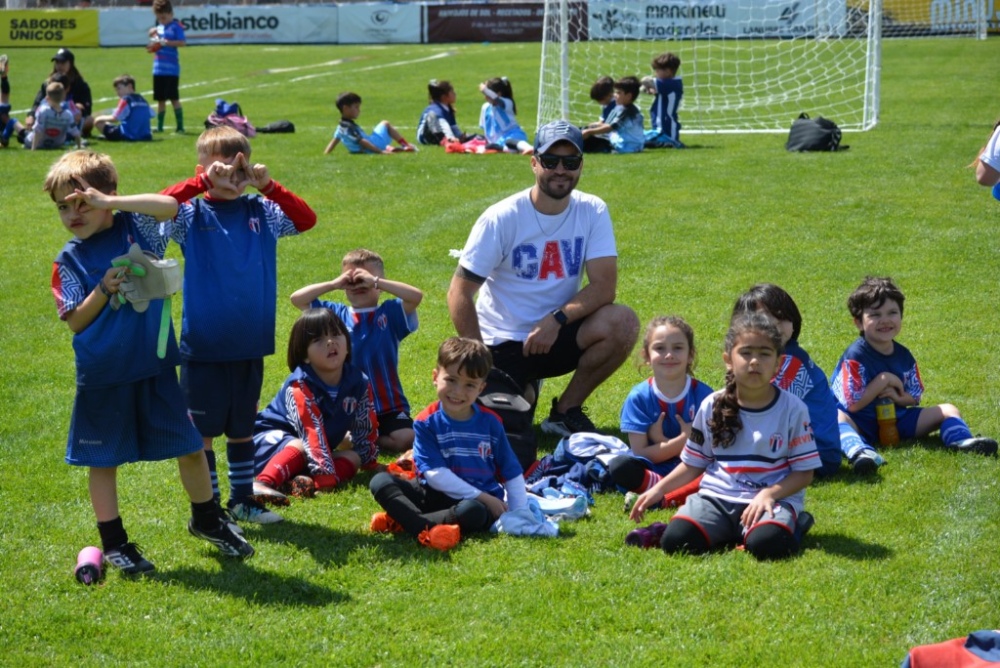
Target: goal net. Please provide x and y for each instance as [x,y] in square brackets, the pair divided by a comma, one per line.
[747,65]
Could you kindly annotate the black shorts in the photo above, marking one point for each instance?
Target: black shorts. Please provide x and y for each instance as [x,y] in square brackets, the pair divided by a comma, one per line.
[393,421]
[166,87]
[562,358]
[222,397]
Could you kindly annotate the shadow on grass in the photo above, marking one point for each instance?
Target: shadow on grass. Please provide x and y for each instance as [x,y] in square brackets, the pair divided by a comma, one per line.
[846,546]
[330,547]
[239,580]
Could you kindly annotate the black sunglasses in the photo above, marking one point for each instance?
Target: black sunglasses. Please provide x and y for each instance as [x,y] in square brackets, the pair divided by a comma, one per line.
[570,162]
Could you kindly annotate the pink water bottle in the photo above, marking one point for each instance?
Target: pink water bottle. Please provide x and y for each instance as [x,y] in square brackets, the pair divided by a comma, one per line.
[88,565]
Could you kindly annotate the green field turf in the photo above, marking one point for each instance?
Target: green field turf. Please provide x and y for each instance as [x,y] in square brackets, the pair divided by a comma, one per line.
[906,558]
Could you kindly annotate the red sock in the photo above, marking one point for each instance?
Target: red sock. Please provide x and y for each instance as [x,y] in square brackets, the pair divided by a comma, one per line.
[283,467]
[343,470]
[677,497]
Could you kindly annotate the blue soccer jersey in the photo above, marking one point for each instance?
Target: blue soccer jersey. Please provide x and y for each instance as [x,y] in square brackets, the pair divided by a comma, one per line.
[858,366]
[134,114]
[476,450]
[119,346]
[166,61]
[437,119]
[230,276]
[663,111]
[798,374]
[375,337]
[320,416]
[627,134]
[350,134]
[644,404]
[607,109]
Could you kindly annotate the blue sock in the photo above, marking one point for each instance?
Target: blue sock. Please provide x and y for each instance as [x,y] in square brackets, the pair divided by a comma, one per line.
[213,474]
[851,442]
[953,430]
[240,470]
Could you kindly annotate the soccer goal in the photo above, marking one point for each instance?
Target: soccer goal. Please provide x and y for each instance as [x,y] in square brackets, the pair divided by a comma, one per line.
[747,65]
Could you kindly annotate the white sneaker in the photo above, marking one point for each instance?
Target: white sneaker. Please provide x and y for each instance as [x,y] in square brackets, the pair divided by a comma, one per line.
[251,511]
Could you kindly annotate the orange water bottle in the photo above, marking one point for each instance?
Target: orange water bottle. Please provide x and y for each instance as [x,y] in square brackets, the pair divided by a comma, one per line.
[885,413]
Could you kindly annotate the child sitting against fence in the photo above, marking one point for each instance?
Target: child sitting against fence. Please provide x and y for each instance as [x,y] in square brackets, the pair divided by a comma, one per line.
[376,331]
[355,139]
[467,473]
[130,120]
[622,131]
[498,118]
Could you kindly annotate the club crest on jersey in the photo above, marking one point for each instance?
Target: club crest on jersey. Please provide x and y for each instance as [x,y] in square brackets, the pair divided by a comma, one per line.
[557,259]
[254,225]
[776,442]
[350,404]
[382,321]
[485,449]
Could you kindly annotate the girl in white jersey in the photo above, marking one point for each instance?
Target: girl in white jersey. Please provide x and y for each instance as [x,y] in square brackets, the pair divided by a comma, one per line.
[754,444]
[498,118]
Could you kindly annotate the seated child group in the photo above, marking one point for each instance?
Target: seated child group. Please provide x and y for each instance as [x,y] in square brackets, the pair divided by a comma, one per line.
[735,461]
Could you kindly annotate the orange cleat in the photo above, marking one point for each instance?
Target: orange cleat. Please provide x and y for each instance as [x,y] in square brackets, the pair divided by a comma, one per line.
[441,537]
[382,523]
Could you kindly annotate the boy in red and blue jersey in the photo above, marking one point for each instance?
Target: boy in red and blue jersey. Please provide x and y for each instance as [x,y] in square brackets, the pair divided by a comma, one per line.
[376,331]
[128,404]
[229,242]
[467,474]
[877,366]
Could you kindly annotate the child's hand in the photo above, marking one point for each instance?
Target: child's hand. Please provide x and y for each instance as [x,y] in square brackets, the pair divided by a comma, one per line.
[113,278]
[764,502]
[646,500]
[91,197]
[655,432]
[361,278]
[256,174]
[891,380]
[227,179]
[342,281]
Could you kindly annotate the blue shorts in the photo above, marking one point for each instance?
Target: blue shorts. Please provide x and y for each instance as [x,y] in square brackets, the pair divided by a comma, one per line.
[144,421]
[906,424]
[380,136]
[222,397]
[267,444]
[718,520]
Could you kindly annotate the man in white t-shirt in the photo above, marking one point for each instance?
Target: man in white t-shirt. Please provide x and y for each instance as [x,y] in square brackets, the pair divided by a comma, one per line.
[526,257]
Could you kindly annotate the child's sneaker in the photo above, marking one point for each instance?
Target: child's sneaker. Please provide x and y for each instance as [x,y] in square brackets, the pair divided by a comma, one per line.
[409,148]
[574,420]
[223,537]
[129,560]
[630,499]
[981,445]
[867,462]
[263,493]
[301,486]
[646,537]
[441,537]
[382,523]
[249,510]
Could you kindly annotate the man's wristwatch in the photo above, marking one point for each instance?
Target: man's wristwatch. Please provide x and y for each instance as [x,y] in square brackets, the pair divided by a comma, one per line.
[560,317]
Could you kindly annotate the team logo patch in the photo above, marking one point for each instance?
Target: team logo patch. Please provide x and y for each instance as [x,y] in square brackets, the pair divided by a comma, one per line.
[255,225]
[777,442]
[382,322]
[350,404]
[697,437]
[485,449]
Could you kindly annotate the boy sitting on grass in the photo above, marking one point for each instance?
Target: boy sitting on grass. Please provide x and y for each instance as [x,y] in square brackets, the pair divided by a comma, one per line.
[355,139]
[622,131]
[130,120]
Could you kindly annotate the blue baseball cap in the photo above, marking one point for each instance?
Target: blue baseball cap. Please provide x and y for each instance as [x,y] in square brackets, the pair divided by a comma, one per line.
[554,132]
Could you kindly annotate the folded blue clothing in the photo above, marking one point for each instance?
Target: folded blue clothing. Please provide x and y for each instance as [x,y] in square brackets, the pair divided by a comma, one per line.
[563,507]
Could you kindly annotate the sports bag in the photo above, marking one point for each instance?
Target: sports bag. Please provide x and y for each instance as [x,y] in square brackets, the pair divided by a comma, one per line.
[814,134]
[505,397]
[230,114]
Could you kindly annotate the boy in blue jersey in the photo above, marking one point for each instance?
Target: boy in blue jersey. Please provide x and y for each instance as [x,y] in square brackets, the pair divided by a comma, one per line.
[128,404]
[130,119]
[665,129]
[229,242]
[355,139]
[623,127]
[877,366]
[376,330]
[164,40]
[467,474]
[603,93]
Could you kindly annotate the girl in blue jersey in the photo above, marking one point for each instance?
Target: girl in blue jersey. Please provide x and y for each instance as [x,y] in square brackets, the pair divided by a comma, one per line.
[437,123]
[797,373]
[498,118]
[754,445]
[321,421]
[658,412]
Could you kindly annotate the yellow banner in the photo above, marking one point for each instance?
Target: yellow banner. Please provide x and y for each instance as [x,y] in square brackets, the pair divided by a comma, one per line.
[73,27]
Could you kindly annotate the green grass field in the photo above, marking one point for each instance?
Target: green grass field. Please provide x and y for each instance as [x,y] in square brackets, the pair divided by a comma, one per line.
[909,557]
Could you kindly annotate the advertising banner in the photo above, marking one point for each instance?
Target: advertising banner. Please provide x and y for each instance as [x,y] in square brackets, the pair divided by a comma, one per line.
[71,27]
[301,24]
[377,23]
[716,18]
[513,22]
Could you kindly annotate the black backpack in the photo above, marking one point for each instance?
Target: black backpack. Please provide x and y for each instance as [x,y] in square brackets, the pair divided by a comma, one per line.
[505,397]
[814,134]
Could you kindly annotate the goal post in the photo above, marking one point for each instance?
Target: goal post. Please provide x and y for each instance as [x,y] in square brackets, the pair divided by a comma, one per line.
[747,65]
